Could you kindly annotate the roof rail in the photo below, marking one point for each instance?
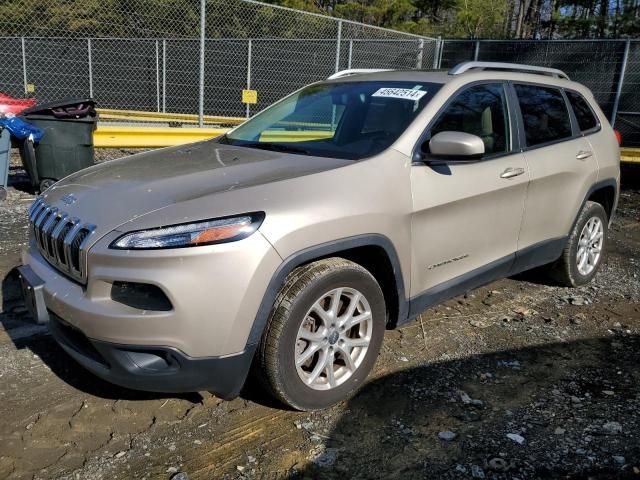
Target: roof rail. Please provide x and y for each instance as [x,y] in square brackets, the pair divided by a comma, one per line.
[355,71]
[512,67]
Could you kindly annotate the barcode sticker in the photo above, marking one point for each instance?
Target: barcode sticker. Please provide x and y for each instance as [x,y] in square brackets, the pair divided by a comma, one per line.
[403,93]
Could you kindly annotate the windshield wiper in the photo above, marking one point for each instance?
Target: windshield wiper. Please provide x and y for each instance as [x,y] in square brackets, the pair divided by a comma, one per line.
[276,147]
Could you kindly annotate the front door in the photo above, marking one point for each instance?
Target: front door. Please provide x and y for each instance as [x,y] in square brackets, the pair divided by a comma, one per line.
[466,217]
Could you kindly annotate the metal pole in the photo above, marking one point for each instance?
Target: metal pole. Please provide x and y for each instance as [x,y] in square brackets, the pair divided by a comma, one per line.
[623,69]
[440,53]
[338,46]
[436,53]
[203,13]
[90,67]
[24,66]
[157,75]
[350,53]
[249,46]
[476,51]
[420,51]
[164,75]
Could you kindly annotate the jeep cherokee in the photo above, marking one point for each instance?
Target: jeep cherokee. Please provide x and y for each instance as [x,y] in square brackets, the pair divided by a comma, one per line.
[289,245]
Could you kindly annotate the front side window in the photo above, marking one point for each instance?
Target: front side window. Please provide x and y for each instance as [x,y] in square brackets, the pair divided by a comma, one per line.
[480,110]
[584,114]
[544,113]
[350,120]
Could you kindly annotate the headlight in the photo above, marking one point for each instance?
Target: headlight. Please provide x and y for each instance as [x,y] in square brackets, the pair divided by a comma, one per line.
[220,230]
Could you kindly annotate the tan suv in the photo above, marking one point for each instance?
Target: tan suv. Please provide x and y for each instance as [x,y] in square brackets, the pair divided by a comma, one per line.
[291,243]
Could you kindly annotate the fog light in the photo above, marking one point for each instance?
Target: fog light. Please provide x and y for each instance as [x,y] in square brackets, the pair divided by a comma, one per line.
[142,296]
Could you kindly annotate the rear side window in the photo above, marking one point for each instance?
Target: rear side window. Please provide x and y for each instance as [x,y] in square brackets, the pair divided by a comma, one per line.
[544,113]
[481,111]
[585,116]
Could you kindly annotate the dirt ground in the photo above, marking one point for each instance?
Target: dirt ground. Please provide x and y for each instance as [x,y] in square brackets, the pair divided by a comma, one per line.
[516,380]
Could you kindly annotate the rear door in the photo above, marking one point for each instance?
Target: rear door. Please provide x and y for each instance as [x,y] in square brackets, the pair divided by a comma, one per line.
[466,217]
[562,164]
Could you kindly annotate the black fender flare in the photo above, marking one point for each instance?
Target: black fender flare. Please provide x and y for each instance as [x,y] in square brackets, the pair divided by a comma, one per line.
[324,250]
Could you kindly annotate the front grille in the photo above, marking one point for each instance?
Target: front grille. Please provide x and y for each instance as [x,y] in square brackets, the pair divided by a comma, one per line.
[61,239]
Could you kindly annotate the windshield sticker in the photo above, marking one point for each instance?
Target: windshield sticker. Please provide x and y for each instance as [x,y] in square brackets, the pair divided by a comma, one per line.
[403,93]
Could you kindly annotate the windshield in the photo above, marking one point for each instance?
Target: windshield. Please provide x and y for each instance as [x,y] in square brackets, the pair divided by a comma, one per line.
[349,120]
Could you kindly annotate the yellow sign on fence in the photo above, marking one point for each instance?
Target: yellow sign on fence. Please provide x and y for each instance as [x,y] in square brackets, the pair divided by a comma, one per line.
[249,96]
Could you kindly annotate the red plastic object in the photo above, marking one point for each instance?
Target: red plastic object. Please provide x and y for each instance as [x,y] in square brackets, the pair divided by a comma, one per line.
[14,105]
[618,136]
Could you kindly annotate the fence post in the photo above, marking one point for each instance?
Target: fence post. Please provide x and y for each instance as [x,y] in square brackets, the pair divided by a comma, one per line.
[203,13]
[436,53]
[420,51]
[350,53]
[623,69]
[476,51]
[90,58]
[249,48]
[338,46]
[164,75]
[157,76]
[24,65]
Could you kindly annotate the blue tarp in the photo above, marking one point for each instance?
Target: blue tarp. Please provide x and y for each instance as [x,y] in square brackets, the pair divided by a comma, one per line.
[21,129]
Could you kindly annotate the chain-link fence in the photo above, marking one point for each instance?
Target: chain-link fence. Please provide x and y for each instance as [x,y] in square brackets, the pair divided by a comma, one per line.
[186,56]
[610,68]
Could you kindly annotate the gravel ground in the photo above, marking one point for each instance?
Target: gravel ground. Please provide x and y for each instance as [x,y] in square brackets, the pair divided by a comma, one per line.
[516,380]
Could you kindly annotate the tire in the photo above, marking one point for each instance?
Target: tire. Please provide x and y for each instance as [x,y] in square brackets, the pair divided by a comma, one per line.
[567,271]
[46,183]
[303,295]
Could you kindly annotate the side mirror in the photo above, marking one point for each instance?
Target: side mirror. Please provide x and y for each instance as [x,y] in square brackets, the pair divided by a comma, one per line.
[455,147]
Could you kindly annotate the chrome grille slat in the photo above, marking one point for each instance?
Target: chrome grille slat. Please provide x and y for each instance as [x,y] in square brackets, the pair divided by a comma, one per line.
[56,233]
[60,239]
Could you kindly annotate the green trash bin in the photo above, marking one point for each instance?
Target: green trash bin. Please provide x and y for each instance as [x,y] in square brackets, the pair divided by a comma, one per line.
[67,144]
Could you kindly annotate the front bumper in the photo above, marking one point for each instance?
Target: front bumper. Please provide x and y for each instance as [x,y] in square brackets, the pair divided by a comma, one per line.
[200,343]
[214,292]
[155,369]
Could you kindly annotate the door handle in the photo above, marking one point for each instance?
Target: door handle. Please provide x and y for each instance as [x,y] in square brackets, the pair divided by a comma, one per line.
[582,154]
[512,172]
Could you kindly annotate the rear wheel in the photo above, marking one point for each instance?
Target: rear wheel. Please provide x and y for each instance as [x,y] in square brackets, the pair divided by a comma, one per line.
[324,334]
[585,249]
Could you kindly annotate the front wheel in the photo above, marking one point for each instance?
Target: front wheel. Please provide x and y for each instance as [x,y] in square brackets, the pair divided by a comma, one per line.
[585,249]
[323,335]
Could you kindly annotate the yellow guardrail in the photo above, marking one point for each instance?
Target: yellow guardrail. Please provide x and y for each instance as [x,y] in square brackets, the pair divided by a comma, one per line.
[115,136]
[293,136]
[630,155]
[159,117]
[108,115]
[112,136]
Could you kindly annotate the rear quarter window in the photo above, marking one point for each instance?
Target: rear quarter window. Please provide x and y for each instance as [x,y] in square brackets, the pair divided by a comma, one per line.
[584,114]
[544,113]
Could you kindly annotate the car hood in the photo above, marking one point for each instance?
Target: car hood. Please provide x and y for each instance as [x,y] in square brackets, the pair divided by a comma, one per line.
[115,192]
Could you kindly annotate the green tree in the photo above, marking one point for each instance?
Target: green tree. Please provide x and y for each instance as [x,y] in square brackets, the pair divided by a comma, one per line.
[479,18]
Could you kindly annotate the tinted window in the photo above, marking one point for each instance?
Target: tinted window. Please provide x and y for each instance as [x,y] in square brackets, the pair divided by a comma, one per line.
[545,114]
[584,114]
[481,111]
